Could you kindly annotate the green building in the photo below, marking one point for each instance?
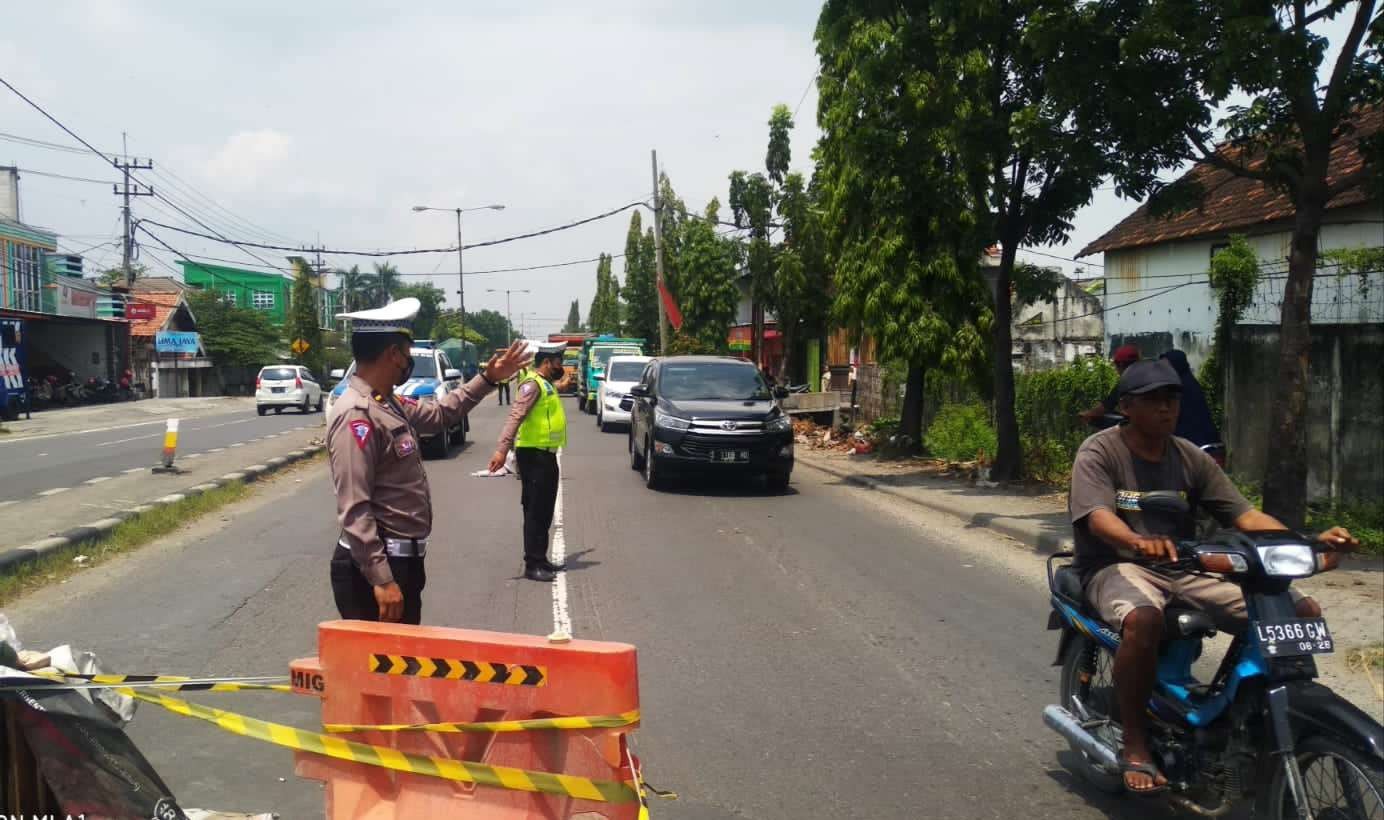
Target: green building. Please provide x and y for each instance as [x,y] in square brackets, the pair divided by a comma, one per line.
[269,292]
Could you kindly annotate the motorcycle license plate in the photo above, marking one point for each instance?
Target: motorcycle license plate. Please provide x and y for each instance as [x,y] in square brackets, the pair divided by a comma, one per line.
[1294,636]
[730,456]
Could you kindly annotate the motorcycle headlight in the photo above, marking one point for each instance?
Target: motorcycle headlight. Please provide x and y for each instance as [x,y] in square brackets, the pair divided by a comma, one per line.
[670,421]
[779,424]
[1288,560]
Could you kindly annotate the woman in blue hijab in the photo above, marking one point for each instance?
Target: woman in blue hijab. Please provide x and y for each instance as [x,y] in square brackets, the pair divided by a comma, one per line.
[1194,421]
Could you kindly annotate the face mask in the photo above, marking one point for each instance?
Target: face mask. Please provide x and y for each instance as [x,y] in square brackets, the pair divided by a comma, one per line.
[408,371]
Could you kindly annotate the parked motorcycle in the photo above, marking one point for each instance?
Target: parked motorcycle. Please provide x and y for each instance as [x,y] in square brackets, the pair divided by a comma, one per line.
[1261,728]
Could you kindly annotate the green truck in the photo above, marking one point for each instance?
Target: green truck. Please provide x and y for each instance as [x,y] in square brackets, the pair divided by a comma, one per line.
[595,353]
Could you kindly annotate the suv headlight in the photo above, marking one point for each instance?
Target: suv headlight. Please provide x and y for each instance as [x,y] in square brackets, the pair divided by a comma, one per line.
[779,424]
[1288,560]
[662,419]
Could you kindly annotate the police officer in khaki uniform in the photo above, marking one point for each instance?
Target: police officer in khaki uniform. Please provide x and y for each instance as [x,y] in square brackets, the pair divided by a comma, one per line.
[382,495]
[537,429]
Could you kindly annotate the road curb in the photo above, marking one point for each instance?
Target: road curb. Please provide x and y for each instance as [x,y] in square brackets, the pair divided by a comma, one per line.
[15,557]
[1022,532]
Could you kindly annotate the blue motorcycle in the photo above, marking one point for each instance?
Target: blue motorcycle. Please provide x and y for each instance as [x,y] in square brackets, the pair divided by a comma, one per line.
[1261,729]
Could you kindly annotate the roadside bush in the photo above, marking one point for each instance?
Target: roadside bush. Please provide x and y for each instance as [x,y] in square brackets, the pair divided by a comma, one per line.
[1364,519]
[961,432]
[1046,404]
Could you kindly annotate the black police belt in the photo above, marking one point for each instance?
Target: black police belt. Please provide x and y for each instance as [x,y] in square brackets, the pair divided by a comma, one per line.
[399,547]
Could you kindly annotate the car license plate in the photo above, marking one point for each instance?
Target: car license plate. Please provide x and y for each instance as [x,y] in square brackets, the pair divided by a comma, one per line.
[1295,636]
[731,455]
[277,389]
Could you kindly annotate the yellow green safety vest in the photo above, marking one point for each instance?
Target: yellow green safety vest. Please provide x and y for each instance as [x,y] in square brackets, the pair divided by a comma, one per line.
[545,426]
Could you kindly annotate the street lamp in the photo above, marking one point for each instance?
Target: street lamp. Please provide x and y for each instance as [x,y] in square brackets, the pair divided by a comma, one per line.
[461,281]
[507,292]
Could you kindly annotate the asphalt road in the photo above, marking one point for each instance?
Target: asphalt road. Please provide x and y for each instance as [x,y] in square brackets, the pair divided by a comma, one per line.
[52,463]
[819,654]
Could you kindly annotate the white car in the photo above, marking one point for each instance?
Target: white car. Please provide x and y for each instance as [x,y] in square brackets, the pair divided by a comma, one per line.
[621,373]
[287,385]
[433,375]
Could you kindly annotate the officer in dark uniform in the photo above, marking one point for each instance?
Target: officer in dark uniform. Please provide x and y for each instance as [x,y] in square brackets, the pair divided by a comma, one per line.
[537,429]
[382,497]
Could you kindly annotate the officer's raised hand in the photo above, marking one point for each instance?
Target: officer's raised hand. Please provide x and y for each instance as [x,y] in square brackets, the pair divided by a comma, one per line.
[504,365]
[391,601]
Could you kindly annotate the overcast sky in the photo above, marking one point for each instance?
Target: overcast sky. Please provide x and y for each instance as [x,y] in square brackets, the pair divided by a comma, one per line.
[332,119]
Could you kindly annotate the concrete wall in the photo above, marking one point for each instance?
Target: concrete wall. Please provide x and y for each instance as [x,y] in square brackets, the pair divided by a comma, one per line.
[1176,308]
[1345,431]
[1059,331]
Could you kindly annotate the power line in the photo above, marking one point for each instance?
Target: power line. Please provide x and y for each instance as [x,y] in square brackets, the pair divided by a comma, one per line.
[803,98]
[117,165]
[411,252]
[183,186]
[1063,258]
[53,146]
[65,176]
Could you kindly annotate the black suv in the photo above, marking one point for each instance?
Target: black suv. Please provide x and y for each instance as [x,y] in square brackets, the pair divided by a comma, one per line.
[711,414]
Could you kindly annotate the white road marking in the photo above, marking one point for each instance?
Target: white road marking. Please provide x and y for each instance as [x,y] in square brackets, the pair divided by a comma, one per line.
[224,424]
[54,491]
[81,432]
[134,470]
[129,439]
[41,455]
[98,479]
[562,616]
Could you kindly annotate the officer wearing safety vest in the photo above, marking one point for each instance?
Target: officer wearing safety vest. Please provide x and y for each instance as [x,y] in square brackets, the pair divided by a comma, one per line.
[537,429]
[382,498]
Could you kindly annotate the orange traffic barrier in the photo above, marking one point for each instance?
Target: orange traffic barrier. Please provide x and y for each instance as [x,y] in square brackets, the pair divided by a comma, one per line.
[464,723]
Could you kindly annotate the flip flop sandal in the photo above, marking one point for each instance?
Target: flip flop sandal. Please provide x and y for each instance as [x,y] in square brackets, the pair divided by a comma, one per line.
[1127,765]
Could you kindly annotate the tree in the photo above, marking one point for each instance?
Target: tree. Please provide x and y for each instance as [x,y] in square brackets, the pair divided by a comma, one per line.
[604,316]
[640,293]
[1301,111]
[899,233]
[234,336]
[430,298]
[355,287]
[574,317]
[1028,140]
[708,296]
[492,328]
[116,276]
[303,324]
[386,281]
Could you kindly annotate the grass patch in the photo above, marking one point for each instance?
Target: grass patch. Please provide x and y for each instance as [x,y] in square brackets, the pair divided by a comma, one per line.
[130,535]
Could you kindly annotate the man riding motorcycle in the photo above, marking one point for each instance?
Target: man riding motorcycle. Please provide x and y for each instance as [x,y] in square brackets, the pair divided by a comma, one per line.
[1113,468]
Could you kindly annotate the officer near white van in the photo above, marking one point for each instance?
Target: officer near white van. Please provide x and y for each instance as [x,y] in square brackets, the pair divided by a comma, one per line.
[382,498]
[536,430]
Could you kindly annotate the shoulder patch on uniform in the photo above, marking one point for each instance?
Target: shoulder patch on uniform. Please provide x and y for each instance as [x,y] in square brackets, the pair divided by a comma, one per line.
[527,389]
[360,430]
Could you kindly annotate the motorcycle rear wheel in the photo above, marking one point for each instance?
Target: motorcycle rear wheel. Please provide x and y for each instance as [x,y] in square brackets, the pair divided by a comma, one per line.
[1088,674]
[1341,784]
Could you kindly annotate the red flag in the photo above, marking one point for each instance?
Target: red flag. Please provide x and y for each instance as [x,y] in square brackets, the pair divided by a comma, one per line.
[670,306]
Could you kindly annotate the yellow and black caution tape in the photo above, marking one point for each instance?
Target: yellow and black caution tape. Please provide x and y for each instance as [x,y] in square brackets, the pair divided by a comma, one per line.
[504,777]
[172,683]
[463,670]
[497,726]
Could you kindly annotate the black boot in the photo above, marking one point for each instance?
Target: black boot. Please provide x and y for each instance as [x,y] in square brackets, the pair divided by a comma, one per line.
[538,572]
[551,567]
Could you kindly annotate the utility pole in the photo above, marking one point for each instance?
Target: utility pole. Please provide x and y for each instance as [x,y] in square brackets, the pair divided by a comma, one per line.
[126,164]
[507,292]
[658,263]
[461,284]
